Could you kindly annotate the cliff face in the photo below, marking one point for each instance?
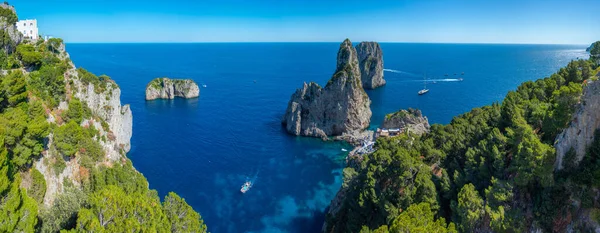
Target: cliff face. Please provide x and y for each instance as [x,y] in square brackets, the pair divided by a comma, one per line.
[342,106]
[104,103]
[585,121]
[165,88]
[411,120]
[370,58]
[14,37]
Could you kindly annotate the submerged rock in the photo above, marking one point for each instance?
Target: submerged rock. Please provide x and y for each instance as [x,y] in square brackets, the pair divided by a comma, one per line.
[370,58]
[341,107]
[165,88]
[411,120]
[585,121]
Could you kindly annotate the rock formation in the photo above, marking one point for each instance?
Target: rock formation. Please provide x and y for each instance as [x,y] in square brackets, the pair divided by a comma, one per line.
[165,88]
[370,59]
[585,121]
[10,29]
[341,107]
[411,120]
[105,104]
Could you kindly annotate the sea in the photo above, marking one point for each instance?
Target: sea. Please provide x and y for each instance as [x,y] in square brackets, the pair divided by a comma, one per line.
[204,149]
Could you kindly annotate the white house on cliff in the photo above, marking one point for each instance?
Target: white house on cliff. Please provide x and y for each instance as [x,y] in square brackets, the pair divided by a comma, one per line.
[29,28]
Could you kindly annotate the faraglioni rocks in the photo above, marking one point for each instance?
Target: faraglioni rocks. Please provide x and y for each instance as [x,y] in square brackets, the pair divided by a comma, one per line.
[370,59]
[411,120]
[341,107]
[579,135]
[165,88]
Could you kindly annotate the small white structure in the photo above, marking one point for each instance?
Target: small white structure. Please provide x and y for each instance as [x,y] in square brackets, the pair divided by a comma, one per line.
[29,28]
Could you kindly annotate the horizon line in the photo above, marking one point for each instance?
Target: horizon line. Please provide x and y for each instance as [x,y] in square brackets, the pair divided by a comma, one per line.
[282,42]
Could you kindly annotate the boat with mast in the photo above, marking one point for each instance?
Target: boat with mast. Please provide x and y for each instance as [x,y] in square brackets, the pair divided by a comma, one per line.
[425,90]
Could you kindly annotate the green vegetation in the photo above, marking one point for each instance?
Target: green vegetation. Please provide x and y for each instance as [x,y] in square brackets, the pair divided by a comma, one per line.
[29,56]
[54,44]
[490,169]
[38,185]
[111,196]
[418,218]
[156,83]
[99,82]
[77,111]
[594,49]
[9,15]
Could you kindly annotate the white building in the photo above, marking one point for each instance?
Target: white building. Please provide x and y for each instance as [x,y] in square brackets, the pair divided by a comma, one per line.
[29,28]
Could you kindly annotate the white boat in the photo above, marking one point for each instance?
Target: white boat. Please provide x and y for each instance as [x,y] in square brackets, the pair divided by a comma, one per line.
[246,186]
[344,150]
[425,90]
[204,85]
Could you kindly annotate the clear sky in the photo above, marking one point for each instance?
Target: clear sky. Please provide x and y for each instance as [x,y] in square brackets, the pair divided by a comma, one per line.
[449,21]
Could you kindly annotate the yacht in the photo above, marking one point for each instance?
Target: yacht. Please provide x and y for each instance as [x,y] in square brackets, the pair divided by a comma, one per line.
[425,90]
[246,187]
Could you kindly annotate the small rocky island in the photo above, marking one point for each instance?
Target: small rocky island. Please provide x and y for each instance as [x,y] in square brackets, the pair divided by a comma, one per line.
[341,107]
[411,120]
[165,88]
[370,58]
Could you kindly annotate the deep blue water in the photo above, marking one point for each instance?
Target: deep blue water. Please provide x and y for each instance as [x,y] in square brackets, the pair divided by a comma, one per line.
[205,148]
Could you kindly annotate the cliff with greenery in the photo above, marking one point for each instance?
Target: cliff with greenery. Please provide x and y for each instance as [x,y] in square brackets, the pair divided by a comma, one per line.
[490,170]
[63,142]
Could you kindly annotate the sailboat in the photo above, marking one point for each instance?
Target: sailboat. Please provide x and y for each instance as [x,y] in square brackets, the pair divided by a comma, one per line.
[425,90]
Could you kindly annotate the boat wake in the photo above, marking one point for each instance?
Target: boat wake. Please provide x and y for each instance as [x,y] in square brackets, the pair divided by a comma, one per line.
[444,80]
[402,72]
[393,71]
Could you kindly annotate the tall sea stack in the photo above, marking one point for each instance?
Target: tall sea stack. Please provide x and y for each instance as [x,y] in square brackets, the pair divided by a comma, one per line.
[341,107]
[370,59]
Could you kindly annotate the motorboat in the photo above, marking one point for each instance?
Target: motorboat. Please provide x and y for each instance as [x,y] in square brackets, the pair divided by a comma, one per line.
[425,90]
[246,187]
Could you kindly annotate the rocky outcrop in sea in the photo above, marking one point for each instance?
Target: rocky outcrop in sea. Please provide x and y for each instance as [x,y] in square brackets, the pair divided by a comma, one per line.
[411,120]
[341,107]
[370,59]
[585,121]
[165,88]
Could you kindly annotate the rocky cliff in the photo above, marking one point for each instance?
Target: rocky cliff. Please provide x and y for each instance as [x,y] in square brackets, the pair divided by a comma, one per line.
[165,88]
[370,58]
[585,121]
[411,120]
[105,103]
[342,106]
[9,30]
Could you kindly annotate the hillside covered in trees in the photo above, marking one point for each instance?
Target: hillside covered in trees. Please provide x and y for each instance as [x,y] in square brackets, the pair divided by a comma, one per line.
[61,168]
[490,170]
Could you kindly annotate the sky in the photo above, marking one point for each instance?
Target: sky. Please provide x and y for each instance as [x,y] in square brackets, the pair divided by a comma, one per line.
[424,21]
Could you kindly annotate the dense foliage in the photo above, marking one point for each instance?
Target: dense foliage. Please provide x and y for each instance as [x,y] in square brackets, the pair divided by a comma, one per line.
[594,49]
[105,196]
[490,169]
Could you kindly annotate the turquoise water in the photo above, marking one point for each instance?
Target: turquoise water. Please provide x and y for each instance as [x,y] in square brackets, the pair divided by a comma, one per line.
[205,149]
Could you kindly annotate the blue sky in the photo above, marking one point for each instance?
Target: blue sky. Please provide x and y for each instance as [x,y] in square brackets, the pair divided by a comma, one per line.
[458,21]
